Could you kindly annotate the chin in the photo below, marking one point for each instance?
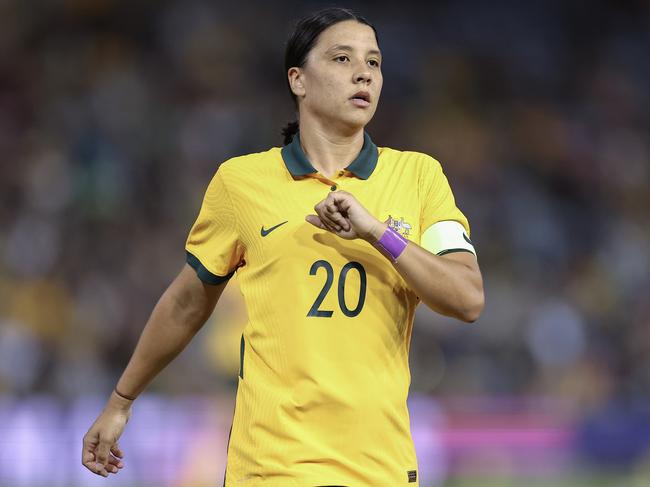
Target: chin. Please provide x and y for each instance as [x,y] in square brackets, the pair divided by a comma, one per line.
[349,128]
[355,122]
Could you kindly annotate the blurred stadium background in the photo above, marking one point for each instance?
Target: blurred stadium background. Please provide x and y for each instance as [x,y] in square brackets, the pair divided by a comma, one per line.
[113,118]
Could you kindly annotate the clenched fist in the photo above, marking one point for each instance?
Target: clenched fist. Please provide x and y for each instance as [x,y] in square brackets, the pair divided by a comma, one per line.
[343,215]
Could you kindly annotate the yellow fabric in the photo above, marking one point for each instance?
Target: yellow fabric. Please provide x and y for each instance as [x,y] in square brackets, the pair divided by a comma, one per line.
[322,400]
[439,202]
[214,238]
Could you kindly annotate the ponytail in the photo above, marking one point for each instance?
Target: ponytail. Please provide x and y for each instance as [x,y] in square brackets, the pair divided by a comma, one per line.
[289,131]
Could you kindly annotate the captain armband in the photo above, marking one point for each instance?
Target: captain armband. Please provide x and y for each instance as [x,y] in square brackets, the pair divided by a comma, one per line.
[446,237]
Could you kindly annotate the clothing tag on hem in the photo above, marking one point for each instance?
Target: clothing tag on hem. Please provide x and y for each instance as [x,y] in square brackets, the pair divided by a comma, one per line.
[413,476]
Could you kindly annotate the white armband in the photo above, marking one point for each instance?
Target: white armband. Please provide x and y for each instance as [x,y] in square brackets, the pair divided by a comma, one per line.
[446,237]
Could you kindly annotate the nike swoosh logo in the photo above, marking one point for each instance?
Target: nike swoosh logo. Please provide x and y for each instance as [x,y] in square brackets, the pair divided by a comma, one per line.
[264,232]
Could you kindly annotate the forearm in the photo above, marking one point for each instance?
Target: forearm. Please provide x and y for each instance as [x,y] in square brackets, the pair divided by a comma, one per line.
[163,338]
[176,318]
[448,285]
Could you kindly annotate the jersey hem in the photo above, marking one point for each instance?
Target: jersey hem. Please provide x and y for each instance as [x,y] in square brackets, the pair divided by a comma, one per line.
[309,481]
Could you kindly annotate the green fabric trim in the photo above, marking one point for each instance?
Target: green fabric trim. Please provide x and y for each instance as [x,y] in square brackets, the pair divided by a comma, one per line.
[452,251]
[204,274]
[242,347]
[298,164]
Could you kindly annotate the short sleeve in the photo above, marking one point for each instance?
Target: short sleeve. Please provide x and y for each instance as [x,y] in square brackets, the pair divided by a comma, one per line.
[438,203]
[213,247]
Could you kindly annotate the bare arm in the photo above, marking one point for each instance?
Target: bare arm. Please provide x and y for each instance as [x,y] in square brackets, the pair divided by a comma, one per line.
[177,317]
[451,284]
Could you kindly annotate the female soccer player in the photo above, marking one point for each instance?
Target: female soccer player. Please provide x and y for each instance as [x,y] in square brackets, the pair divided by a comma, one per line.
[330,295]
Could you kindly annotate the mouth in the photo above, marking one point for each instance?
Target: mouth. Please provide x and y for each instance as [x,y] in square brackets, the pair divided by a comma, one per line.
[361,99]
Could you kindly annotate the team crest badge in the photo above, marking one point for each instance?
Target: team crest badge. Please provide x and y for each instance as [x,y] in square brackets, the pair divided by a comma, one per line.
[400,226]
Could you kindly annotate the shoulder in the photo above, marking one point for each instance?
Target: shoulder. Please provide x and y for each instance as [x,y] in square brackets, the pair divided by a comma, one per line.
[413,157]
[247,163]
[239,171]
[247,168]
[418,162]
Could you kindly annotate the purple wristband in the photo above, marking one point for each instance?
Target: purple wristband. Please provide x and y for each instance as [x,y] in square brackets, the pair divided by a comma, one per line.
[392,243]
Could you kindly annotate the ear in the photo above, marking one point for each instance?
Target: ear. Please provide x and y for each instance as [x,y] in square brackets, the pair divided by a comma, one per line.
[295,77]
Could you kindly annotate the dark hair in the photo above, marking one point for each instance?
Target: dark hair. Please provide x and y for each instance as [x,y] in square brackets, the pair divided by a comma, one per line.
[301,42]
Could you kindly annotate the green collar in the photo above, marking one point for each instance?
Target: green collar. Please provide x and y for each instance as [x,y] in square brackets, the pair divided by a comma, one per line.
[298,164]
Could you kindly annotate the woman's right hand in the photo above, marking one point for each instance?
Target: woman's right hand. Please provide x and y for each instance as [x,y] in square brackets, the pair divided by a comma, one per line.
[101,453]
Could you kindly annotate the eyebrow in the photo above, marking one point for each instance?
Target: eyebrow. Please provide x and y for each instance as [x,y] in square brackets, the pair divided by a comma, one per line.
[342,47]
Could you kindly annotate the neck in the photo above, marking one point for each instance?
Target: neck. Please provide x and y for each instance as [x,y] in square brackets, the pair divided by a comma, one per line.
[327,151]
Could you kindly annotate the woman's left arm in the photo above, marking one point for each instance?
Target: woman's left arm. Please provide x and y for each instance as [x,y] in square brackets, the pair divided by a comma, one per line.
[450,284]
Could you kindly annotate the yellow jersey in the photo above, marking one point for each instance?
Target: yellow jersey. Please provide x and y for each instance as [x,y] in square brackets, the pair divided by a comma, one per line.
[324,376]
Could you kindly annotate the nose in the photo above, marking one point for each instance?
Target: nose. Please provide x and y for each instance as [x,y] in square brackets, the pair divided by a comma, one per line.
[361,72]
[363,77]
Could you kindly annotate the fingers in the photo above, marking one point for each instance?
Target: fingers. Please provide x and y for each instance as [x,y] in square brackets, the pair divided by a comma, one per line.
[330,216]
[98,458]
[324,222]
[316,221]
[93,460]
[114,464]
[331,224]
[102,452]
[117,451]
[335,217]
[101,458]
[89,455]
[87,452]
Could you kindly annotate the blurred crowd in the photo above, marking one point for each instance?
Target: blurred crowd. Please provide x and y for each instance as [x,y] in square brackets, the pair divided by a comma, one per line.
[114,116]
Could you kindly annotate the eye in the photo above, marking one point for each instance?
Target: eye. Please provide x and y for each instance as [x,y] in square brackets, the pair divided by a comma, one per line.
[341,58]
[374,63]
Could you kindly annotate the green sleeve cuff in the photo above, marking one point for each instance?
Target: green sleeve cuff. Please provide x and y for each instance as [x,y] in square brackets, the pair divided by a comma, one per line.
[204,274]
